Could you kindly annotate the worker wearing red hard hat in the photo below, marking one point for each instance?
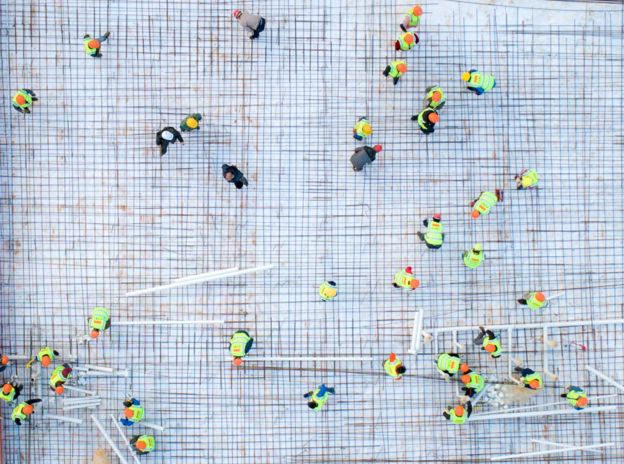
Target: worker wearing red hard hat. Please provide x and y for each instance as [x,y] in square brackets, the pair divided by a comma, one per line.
[405,279]
[23,99]
[434,237]
[254,24]
[412,18]
[91,45]
[364,155]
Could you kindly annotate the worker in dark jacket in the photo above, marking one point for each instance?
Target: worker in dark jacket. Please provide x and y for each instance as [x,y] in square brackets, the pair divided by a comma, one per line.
[254,24]
[427,120]
[363,156]
[234,176]
[165,137]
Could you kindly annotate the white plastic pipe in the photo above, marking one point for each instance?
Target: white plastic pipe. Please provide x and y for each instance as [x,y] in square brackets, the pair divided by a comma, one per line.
[109,440]
[73,420]
[123,373]
[125,440]
[81,406]
[311,359]
[205,274]
[532,326]
[18,357]
[480,395]
[556,295]
[561,445]
[533,406]
[80,390]
[149,425]
[416,338]
[99,368]
[555,412]
[198,281]
[195,322]
[80,400]
[607,379]
[543,453]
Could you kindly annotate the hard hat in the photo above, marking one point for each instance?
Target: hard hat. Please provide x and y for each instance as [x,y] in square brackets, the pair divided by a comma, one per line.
[433,117]
[237,13]
[237,362]
[477,247]
[20,99]
[6,388]
[408,37]
[141,445]
[408,269]
[93,43]
[59,390]
[475,214]
[465,76]
[490,348]
[417,10]
[539,296]
[465,378]
[192,123]
[367,129]
[436,96]
[392,357]
[414,284]
[534,384]
[377,148]
[45,361]
[402,67]
[459,410]
[464,368]
[5,360]
[28,409]
[95,333]
[582,401]
[437,216]
[128,413]
[168,136]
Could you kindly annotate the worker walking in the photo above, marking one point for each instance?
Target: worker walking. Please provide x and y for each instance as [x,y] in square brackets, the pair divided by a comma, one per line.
[133,413]
[427,120]
[459,414]
[478,82]
[328,290]
[394,367]
[405,279]
[240,345]
[46,355]
[406,41]
[473,382]
[60,375]
[254,24]
[448,364]
[435,98]
[474,257]
[490,342]
[527,179]
[143,444]
[411,19]
[24,410]
[484,203]
[92,45]
[530,378]
[191,122]
[233,175]
[363,156]
[23,99]
[434,237]
[576,397]
[99,321]
[362,129]
[534,300]
[319,397]
[395,70]
[10,391]
[166,136]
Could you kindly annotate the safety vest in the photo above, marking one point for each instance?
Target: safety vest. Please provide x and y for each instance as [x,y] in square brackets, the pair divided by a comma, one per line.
[476,382]
[359,128]
[327,291]
[429,97]
[394,72]
[534,376]
[17,412]
[88,50]
[485,202]
[473,260]
[448,363]
[47,351]
[481,81]
[403,43]
[534,304]
[150,443]
[10,396]
[137,413]
[390,368]
[99,318]
[496,342]
[530,178]
[422,122]
[434,233]
[320,400]
[238,343]
[455,419]
[26,96]
[573,396]
[403,279]
[413,19]
[57,376]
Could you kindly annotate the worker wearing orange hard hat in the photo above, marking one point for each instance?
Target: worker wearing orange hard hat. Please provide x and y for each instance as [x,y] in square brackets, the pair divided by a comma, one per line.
[435,98]
[92,45]
[405,279]
[23,99]
[394,367]
[395,70]
[46,355]
[412,18]
[362,129]
[576,396]
[534,300]
[133,413]
[406,41]
[530,378]
[60,375]
[10,391]
[459,414]
[427,120]
[489,342]
[473,382]
[240,345]
[99,321]
[484,203]
[4,362]
[143,444]
[22,411]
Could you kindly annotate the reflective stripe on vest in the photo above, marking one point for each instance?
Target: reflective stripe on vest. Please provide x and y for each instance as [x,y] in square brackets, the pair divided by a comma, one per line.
[448,363]
[327,291]
[17,412]
[404,45]
[26,96]
[481,81]
[8,397]
[473,260]
[359,128]
[403,279]
[530,178]
[455,419]
[137,413]
[394,72]
[434,233]
[47,351]
[533,302]
[238,343]
[476,382]
[99,318]
[390,368]
[496,342]
[485,202]
[150,443]
[320,400]
[534,376]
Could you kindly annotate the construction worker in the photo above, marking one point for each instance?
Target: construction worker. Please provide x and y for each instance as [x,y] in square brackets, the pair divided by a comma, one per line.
[240,345]
[527,179]
[576,397]
[534,300]
[530,378]
[99,321]
[405,279]
[133,413]
[363,156]
[328,290]
[254,24]
[143,444]
[434,237]
[166,136]
[92,45]
[448,364]
[395,70]
[406,41]
[427,120]
[478,82]
[23,99]
[458,414]
[191,122]
[22,411]
[474,258]
[362,129]
[473,382]
[46,356]
[435,98]
[490,342]
[319,397]
[394,367]
[10,391]
[483,204]
[233,175]
[4,362]
[60,375]
[412,18]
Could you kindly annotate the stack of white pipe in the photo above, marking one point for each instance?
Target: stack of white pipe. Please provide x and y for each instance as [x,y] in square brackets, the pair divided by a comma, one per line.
[89,402]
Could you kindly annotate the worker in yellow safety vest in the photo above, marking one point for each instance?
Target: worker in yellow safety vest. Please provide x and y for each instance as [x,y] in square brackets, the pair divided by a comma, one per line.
[319,397]
[133,413]
[411,18]
[459,414]
[406,41]
[478,82]
[91,45]
[362,129]
[530,378]
[448,364]
[99,321]
[46,355]
[484,203]
[490,342]
[60,375]
[395,70]
[576,397]
[328,290]
[527,179]
[394,367]
[22,100]
[10,391]
[434,237]
[534,300]
[240,345]
[473,382]
[405,279]
[427,119]
[143,444]
[474,257]
[435,98]
[23,411]
[191,122]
